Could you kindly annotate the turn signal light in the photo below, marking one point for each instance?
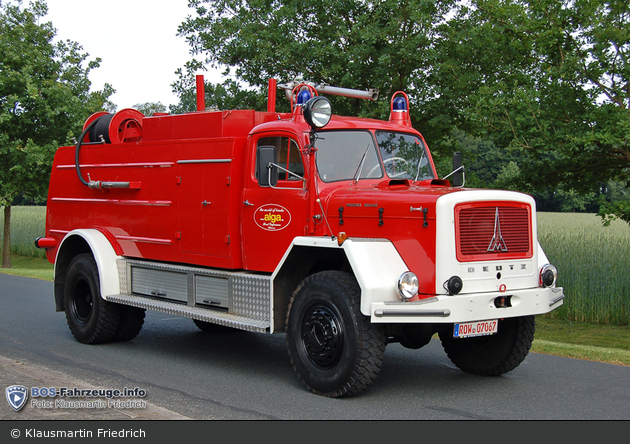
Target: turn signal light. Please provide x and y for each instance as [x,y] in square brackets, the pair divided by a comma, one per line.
[454,285]
[341,238]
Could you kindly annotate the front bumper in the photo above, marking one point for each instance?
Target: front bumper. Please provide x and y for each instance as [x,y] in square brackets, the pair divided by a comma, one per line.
[446,309]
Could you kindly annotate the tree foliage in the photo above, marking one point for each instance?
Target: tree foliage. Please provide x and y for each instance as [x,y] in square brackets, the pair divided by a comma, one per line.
[150,108]
[44,99]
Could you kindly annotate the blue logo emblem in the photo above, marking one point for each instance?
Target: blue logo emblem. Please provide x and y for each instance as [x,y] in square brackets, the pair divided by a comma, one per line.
[17,396]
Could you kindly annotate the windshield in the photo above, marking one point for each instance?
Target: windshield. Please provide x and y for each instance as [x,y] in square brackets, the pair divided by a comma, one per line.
[347,155]
[404,156]
[353,155]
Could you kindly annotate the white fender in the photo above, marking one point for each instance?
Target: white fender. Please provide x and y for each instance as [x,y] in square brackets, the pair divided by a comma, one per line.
[105,258]
[376,264]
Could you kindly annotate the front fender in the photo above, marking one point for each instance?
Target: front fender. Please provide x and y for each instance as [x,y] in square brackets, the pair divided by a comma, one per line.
[375,263]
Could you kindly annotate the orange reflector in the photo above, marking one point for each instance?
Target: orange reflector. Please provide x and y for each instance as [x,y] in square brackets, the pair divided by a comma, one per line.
[341,238]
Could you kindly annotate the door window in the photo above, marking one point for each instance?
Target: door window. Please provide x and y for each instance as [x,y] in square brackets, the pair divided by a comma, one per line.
[288,157]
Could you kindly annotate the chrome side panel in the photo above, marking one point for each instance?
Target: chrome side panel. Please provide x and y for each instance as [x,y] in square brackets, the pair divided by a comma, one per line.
[233,299]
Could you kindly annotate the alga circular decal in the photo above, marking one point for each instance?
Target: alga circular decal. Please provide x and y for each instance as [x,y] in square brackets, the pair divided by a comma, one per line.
[272,217]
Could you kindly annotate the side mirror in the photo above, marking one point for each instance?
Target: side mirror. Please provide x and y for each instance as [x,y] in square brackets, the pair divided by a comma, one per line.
[458,170]
[266,171]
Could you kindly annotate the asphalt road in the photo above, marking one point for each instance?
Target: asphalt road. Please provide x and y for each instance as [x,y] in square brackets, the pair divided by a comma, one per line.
[188,374]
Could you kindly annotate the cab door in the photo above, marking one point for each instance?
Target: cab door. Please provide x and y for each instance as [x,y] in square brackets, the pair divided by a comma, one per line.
[273,214]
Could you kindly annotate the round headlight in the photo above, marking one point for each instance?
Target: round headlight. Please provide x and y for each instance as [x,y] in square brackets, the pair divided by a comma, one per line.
[548,276]
[317,112]
[407,285]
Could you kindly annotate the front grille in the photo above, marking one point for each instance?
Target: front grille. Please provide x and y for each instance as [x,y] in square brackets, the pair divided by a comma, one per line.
[493,230]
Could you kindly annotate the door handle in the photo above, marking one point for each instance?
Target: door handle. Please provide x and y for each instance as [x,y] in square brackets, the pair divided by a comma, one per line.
[248,203]
[205,202]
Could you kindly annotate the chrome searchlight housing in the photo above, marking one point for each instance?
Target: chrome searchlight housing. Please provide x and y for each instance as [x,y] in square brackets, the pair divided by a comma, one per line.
[317,112]
[407,285]
[548,276]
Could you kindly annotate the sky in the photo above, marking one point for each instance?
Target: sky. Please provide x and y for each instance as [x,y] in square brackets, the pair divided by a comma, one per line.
[136,40]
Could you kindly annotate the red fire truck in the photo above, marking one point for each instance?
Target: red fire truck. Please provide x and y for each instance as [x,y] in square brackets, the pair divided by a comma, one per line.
[335,231]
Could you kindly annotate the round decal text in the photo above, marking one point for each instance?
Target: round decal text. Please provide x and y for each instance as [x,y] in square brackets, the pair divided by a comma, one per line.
[272,217]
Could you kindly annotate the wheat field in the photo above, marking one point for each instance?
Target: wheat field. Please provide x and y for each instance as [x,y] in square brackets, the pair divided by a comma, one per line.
[27,224]
[593,265]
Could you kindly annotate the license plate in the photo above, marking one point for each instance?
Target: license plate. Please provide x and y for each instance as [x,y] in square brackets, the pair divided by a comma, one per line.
[480,328]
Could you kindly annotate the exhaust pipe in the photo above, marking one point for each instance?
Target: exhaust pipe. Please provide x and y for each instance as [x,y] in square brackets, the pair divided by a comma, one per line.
[201,92]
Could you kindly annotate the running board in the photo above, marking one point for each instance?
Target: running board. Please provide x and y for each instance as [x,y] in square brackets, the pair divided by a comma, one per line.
[201,314]
[236,299]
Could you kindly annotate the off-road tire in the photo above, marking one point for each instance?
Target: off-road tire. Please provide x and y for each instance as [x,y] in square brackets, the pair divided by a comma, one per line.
[92,320]
[131,322]
[333,347]
[495,354]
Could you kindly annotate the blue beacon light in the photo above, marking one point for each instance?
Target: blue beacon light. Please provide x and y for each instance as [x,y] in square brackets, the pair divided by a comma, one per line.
[303,97]
[400,104]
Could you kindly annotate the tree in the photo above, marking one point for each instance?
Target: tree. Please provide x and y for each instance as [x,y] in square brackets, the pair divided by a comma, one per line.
[149,108]
[44,100]
[549,79]
[614,202]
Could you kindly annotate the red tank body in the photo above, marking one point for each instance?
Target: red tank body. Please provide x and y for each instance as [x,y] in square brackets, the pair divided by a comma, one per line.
[182,161]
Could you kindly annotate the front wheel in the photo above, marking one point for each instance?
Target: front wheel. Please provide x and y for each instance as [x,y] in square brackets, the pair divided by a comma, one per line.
[91,319]
[495,354]
[333,347]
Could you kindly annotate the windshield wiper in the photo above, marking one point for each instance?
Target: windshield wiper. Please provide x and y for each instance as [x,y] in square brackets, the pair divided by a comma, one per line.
[419,166]
[360,167]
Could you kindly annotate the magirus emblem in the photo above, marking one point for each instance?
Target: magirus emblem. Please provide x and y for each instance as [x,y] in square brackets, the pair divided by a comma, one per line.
[497,242]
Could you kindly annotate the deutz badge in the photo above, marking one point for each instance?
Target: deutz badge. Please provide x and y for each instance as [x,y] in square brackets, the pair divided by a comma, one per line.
[17,395]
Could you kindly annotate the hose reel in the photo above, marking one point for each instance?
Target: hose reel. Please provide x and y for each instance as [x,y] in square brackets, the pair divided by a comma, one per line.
[106,128]
[123,126]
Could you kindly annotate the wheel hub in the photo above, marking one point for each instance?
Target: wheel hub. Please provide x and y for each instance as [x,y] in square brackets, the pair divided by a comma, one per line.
[82,304]
[322,336]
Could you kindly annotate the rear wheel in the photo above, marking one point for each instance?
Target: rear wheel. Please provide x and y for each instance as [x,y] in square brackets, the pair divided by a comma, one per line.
[91,319]
[131,321]
[495,354]
[333,347]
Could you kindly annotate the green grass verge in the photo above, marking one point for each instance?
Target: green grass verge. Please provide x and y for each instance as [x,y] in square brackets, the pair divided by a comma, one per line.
[580,340]
[32,267]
